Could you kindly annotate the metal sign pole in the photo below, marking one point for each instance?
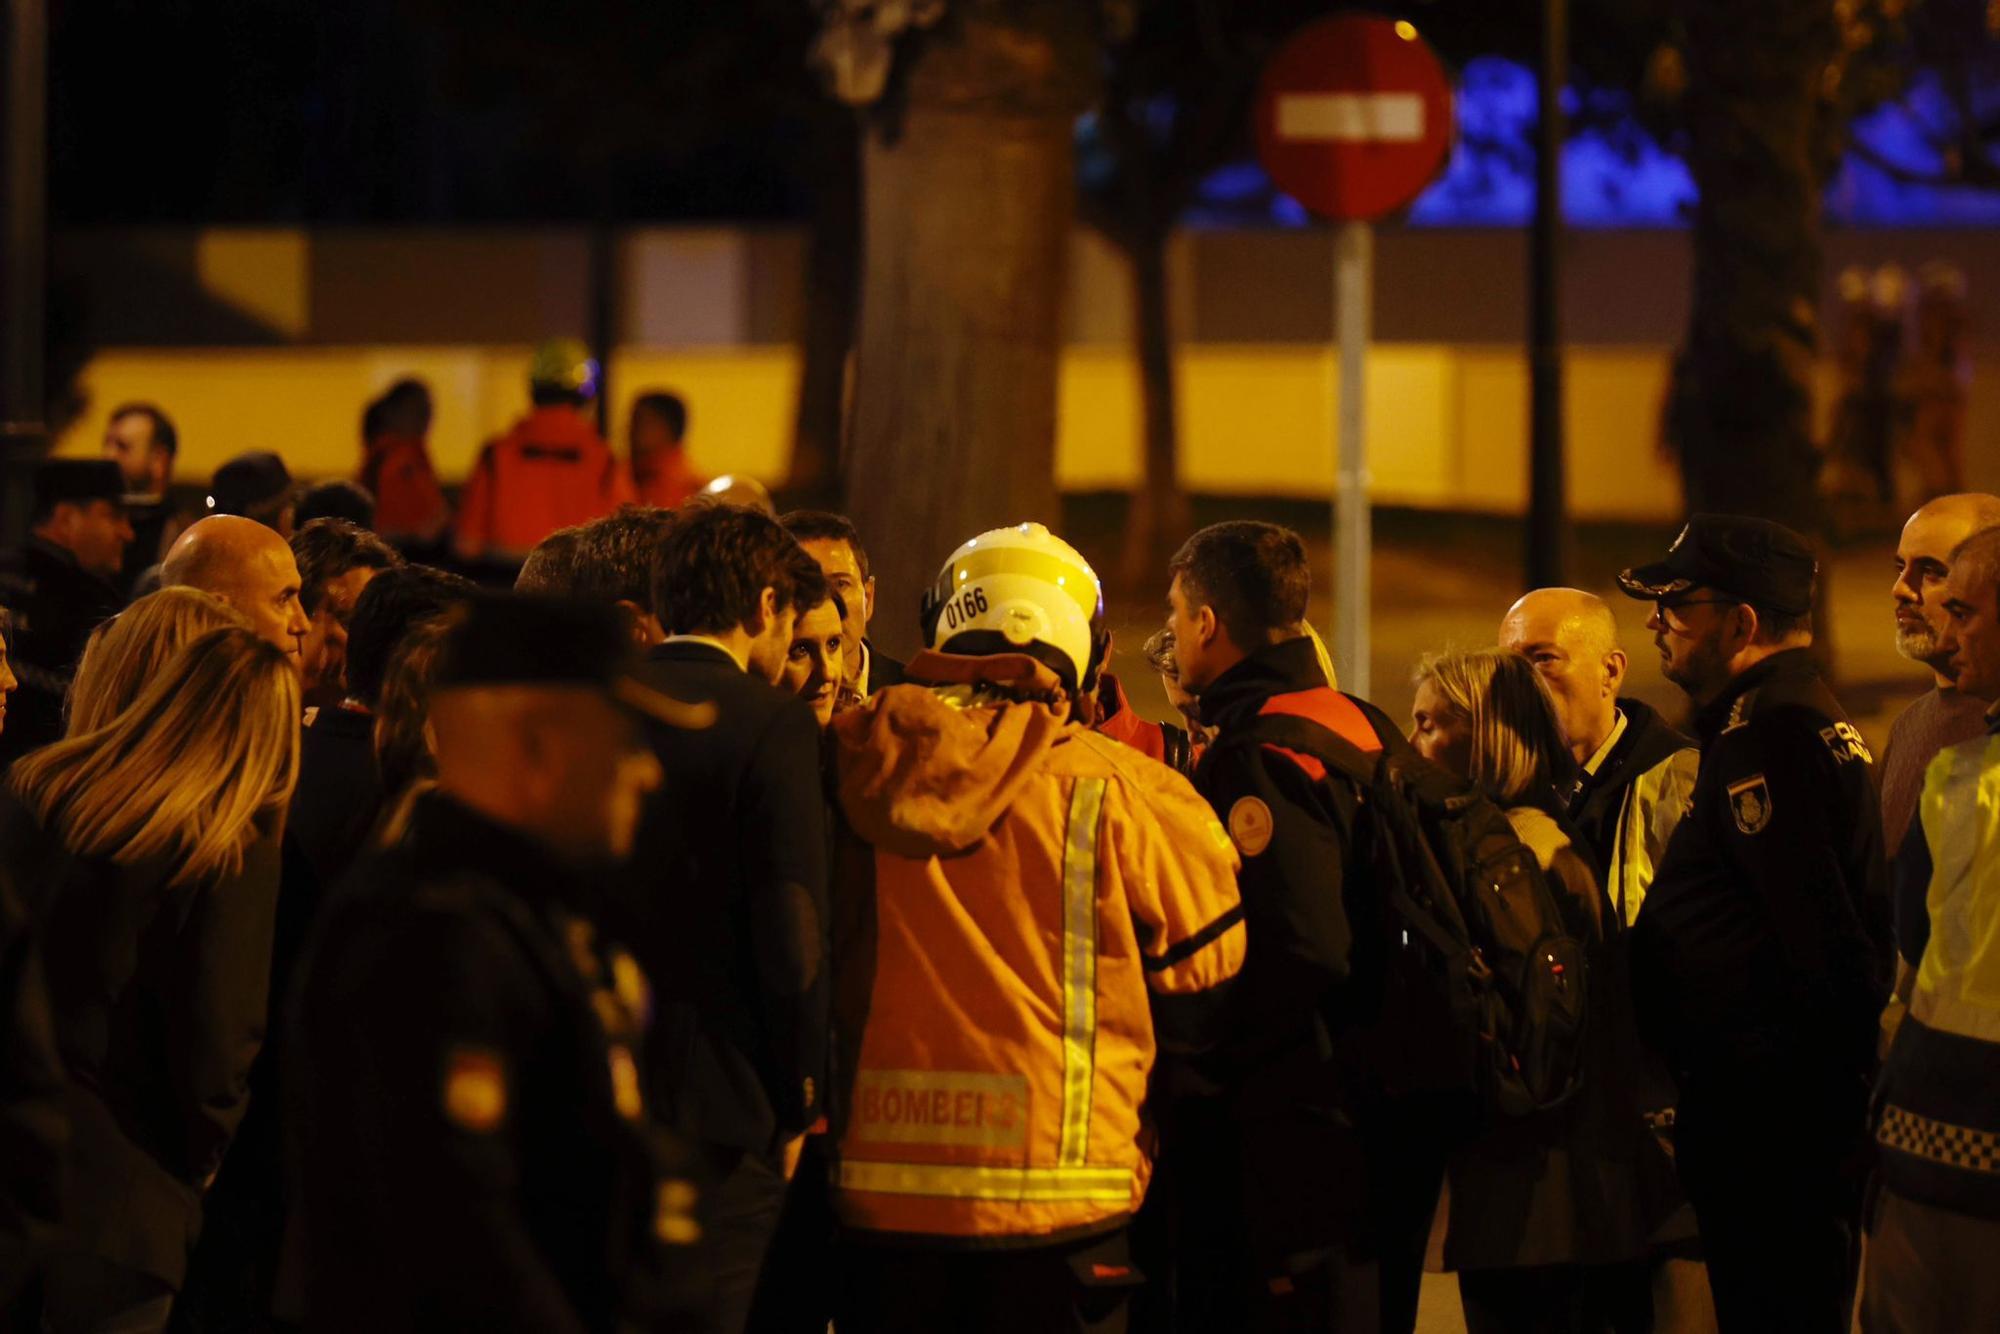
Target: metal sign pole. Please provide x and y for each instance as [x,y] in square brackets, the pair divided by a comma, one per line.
[1353,277]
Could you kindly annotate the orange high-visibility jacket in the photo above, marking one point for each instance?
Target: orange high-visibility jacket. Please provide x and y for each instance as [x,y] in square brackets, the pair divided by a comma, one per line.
[551,471]
[1016,894]
[409,504]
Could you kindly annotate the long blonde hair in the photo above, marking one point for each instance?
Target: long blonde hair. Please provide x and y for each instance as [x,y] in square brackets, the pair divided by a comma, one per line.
[210,745]
[127,651]
[1519,753]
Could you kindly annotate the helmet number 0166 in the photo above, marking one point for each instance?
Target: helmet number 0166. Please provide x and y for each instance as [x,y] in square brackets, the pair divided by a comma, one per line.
[961,609]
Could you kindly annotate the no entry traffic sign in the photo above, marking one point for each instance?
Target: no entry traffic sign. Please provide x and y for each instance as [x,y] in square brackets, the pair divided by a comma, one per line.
[1354,117]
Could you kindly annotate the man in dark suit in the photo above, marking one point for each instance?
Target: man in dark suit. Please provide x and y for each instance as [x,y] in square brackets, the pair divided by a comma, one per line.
[727,907]
[831,540]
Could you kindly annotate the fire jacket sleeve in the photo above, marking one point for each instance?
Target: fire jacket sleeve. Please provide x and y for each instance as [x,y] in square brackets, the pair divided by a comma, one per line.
[1299,941]
[784,854]
[1179,870]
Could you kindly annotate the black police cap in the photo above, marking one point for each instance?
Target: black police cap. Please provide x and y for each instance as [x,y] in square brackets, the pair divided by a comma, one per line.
[1763,563]
[77,481]
[248,483]
[515,639]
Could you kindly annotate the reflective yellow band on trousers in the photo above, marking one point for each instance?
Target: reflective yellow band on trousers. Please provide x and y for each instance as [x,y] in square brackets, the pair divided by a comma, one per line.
[1107,1184]
[1079,968]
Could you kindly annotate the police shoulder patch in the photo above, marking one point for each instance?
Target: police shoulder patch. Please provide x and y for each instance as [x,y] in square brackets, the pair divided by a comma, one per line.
[1750,803]
[1845,744]
[1250,825]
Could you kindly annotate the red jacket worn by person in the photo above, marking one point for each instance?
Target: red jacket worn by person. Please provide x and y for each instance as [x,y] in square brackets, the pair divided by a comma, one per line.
[410,508]
[551,471]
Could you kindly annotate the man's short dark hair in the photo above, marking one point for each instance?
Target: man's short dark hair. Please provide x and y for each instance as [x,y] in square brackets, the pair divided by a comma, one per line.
[327,548]
[395,601]
[1773,626]
[165,437]
[826,526]
[606,560]
[716,563]
[1253,574]
[338,499]
[673,413]
[406,407]
[550,567]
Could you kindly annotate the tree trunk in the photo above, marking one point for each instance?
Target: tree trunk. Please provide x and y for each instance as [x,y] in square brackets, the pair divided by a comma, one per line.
[1755,133]
[1160,515]
[967,216]
[833,290]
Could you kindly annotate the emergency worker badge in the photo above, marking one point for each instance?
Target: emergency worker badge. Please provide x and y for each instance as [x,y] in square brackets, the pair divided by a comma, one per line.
[1250,825]
[1750,803]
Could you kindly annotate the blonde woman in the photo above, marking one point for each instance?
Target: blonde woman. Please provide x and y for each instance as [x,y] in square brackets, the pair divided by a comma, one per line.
[1548,1218]
[152,845]
[127,651]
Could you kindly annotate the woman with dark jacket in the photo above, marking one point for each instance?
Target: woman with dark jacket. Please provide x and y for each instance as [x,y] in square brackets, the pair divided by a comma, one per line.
[1549,1221]
[150,849]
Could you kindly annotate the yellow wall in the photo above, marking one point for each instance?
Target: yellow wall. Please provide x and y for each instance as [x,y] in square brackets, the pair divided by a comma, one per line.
[1446,425]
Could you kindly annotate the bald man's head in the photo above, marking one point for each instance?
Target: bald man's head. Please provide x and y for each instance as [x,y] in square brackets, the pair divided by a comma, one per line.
[1572,639]
[247,565]
[1923,556]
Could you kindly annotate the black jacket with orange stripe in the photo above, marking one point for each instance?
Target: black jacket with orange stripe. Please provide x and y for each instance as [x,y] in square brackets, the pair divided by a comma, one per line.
[1312,972]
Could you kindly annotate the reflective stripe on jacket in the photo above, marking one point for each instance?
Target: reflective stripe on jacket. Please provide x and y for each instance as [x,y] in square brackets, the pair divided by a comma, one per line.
[1040,910]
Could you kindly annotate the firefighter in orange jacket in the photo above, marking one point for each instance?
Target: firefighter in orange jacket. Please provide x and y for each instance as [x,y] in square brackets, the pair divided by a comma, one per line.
[551,471]
[1027,915]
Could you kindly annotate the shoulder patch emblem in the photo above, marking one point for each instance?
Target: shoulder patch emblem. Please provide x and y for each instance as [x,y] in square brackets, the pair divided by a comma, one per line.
[1250,825]
[475,1089]
[1750,804]
[1845,743]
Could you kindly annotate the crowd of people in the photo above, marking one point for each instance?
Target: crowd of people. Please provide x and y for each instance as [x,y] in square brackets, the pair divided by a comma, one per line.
[641,947]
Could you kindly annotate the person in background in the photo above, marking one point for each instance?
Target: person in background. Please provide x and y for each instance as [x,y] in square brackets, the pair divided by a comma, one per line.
[1943,716]
[476,1147]
[1633,772]
[249,566]
[336,560]
[1759,961]
[1301,1209]
[740,491]
[1935,1230]
[128,651]
[661,470]
[607,560]
[729,911]
[403,754]
[1635,775]
[831,539]
[1548,1227]
[550,470]
[1026,950]
[151,845]
[259,486]
[338,499]
[410,510]
[233,1278]
[1112,715]
[58,585]
[142,441]
[814,664]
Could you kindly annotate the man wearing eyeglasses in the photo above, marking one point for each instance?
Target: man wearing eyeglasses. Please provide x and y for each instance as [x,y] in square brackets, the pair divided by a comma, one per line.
[1760,955]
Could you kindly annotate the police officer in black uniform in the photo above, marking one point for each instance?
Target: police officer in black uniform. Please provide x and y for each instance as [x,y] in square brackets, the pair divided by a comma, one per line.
[475,1149]
[1760,955]
[59,584]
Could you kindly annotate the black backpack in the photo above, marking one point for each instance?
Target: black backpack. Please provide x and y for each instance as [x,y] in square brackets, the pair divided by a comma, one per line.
[1485,984]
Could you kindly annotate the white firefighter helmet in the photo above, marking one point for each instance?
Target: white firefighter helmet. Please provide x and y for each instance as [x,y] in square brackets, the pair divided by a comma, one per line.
[1020,589]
